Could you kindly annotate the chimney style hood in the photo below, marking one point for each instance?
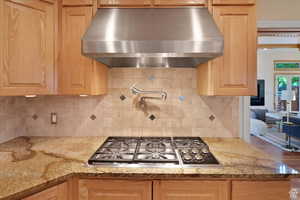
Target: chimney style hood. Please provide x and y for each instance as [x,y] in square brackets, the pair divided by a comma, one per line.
[152,37]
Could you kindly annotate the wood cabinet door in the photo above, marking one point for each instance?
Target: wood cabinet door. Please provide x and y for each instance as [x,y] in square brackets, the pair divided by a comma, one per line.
[235,72]
[114,190]
[191,190]
[58,192]
[27,42]
[233,2]
[180,2]
[125,3]
[260,190]
[75,70]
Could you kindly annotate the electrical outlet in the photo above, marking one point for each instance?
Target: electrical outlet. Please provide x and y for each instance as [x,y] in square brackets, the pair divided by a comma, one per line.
[53,118]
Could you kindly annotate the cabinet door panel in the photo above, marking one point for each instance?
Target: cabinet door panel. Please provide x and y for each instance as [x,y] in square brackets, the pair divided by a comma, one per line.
[180,2]
[103,3]
[58,192]
[75,69]
[191,190]
[260,190]
[28,38]
[233,2]
[114,190]
[235,71]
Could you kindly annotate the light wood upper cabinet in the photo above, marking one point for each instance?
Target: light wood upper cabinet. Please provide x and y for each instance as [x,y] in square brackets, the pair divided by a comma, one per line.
[233,2]
[78,75]
[234,73]
[260,190]
[59,192]
[180,2]
[115,190]
[27,41]
[191,190]
[125,3]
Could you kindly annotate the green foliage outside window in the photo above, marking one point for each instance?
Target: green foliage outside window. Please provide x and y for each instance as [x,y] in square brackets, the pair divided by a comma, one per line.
[287,65]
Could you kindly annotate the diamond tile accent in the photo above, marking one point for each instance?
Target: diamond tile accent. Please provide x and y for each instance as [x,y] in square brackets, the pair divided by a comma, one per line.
[35,117]
[122,97]
[93,117]
[152,117]
[212,118]
[181,98]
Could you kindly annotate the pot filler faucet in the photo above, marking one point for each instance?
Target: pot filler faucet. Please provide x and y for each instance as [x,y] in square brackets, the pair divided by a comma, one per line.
[136,91]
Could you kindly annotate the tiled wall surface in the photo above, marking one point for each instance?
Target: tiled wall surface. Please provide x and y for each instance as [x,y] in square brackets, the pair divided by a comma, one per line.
[183,113]
[11,125]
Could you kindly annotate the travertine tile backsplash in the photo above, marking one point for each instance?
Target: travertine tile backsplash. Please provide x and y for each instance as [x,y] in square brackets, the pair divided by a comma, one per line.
[11,124]
[183,113]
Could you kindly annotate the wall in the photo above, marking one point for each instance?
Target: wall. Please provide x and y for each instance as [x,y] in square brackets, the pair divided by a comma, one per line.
[183,113]
[278,9]
[11,124]
[266,69]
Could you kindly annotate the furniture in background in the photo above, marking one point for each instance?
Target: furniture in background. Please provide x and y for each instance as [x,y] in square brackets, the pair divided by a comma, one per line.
[258,127]
[259,100]
[259,113]
[288,96]
[291,130]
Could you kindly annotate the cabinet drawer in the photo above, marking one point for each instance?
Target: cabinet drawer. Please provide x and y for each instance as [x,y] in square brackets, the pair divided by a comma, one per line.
[233,2]
[58,192]
[125,3]
[114,190]
[180,2]
[260,190]
[191,190]
[77,2]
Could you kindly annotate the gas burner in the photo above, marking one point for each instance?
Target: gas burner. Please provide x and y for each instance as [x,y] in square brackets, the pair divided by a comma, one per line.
[193,150]
[118,146]
[156,147]
[156,156]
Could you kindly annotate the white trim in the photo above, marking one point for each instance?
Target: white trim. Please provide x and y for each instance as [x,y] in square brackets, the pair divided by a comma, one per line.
[278,24]
[244,118]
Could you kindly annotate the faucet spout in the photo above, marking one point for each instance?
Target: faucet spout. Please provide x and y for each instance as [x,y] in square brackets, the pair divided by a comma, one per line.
[136,91]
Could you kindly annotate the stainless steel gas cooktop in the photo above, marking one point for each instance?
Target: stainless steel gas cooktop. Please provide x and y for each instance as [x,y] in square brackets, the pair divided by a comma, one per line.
[153,151]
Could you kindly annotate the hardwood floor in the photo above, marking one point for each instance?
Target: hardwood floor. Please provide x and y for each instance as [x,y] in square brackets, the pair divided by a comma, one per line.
[292,159]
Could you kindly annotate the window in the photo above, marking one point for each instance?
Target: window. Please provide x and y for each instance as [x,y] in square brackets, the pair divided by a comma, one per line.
[291,84]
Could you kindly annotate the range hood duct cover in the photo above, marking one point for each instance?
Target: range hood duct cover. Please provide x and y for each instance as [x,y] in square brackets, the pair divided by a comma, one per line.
[152,37]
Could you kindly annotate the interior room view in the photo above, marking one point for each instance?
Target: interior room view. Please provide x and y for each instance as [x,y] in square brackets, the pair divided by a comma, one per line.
[149,100]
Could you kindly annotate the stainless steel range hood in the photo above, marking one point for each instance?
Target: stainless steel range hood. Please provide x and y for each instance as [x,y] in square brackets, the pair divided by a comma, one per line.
[152,37]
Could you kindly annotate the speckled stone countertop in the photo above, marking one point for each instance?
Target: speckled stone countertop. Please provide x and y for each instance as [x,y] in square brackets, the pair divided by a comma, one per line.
[30,163]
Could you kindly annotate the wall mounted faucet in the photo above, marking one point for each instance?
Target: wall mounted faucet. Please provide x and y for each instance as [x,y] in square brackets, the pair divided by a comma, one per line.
[136,91]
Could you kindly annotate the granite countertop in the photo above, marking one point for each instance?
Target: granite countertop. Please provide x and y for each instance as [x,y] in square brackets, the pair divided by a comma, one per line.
[29,163]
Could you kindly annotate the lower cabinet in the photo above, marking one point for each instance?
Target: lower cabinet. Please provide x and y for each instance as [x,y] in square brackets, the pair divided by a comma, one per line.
[107,189]
[260,190]
[59,192]
[191,190]
[114,190]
